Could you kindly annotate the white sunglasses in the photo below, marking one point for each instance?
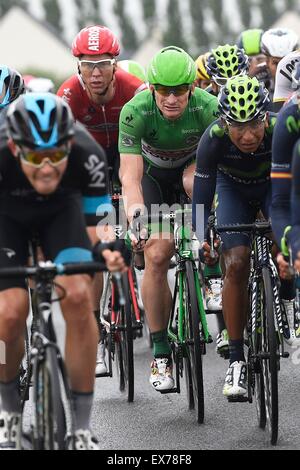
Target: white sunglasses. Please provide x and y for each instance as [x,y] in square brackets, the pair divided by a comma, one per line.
[91,64]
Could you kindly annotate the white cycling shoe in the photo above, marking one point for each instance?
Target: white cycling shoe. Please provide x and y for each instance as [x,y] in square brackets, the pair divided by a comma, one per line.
[236,384]
[10,431]
[161,377]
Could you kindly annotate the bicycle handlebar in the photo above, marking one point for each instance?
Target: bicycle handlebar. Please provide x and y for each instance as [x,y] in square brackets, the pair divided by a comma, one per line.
[52,269]
[258,226]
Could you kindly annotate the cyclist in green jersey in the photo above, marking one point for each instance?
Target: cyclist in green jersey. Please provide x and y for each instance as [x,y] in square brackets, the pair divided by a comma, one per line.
[159,132]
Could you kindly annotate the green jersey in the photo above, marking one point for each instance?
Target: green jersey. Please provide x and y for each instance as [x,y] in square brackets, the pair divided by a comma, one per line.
[162,142]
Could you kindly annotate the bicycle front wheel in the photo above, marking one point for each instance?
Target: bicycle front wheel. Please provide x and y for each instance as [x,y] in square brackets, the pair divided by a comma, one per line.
[126,341]
[195,348]
[50,423]
[270,361]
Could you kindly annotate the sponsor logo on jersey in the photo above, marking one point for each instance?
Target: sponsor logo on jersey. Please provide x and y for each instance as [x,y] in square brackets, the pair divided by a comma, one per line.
[195,109]
[289,68]
[9,252]
[167,155]
[127,142]
[96,170]
[189,131]
[292,124]
[202,175]
[192,139]
[128,120]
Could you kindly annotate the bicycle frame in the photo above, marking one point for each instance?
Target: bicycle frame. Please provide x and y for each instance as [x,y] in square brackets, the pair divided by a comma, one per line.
[183,237]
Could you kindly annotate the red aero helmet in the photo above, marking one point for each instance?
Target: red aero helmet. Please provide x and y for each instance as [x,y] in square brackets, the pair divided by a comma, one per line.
[95,40]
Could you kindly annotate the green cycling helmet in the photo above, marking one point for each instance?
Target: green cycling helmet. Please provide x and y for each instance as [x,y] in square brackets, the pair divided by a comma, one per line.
[243,99]
[171,66]
[225,62]
[250,40]
[134,68]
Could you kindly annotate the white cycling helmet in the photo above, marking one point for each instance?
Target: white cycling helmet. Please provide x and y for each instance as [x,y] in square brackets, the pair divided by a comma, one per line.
[279,42]
[40,85]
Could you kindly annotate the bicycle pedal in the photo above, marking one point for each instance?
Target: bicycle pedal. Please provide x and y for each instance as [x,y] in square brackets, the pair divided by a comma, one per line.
[106,374]
[238,399]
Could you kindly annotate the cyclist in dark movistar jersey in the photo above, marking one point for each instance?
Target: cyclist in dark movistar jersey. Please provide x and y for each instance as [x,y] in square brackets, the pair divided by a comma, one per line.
[234,159]
[286,134]
[159,132]
[47,177]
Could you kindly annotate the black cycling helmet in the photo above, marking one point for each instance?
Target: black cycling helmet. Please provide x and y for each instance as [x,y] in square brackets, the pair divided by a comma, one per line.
[40,120]
[11,85]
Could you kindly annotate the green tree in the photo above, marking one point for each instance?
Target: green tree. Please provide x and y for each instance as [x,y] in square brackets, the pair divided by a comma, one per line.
[5,5]
[269,13]
[173,35]
[129,37]
[149,13]
[245,8]
[222,33]
[81,16]
[200,35]
[53,13]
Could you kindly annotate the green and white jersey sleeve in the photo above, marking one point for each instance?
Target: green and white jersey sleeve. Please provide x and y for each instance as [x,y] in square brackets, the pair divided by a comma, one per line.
[164,143]
[283,80]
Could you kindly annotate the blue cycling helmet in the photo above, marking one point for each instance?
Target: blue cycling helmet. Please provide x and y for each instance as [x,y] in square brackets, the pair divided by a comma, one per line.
[40,121]
[11,85]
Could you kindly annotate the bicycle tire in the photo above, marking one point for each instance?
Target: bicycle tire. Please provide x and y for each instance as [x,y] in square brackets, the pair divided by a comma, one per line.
[256,387]
[50,425]
[119,363]
[194,343]
[189,382]
[270,365]
[126,336]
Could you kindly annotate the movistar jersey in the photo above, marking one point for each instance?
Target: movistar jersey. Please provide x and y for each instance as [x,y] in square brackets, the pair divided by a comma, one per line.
[216,152]
[295,202]
[164,143]
[286,134]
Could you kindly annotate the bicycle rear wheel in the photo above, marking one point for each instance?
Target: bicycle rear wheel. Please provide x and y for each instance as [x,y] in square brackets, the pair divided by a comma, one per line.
[256,380]
[51,400]
[189,382]
[195,347]
[270,363]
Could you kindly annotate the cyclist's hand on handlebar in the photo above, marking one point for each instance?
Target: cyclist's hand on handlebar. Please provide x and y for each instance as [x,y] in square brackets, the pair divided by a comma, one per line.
[114,261]
[206,252]
[138,243]
[283,267]
[297,263]
[115,254]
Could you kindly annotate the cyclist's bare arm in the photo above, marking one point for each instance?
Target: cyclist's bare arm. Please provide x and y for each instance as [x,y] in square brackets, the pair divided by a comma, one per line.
[131,173]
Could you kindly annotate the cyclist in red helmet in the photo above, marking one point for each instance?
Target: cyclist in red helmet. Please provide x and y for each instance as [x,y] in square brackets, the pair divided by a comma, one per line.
[96,96]
[100,89]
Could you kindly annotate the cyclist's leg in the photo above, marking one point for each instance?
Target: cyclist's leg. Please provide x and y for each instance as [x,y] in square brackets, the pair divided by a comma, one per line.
[14,307]
[234,208]
[156,294]
[64,239]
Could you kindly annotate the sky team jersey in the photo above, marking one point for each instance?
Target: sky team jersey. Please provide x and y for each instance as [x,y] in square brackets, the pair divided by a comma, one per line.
[286,134]
[164,143]
[283,81]
[216,153]
[86,176]
[102,121]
